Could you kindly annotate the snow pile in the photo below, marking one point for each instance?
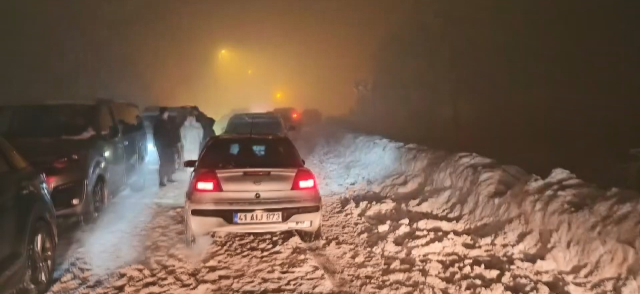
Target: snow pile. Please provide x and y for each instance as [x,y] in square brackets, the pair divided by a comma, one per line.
[348,167]
[559,224]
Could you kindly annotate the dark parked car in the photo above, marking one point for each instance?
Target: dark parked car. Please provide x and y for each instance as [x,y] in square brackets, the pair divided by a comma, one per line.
[28,222]
[88,151]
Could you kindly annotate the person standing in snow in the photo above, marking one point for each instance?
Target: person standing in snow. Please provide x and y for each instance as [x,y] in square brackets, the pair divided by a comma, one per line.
[207,124]
[166,151]
[175,141]
[191,133]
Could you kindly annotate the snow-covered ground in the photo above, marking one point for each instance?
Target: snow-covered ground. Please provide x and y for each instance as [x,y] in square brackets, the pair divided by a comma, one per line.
[396,219]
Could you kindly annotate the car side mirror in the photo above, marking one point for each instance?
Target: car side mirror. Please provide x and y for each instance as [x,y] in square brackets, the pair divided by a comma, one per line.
[190,163]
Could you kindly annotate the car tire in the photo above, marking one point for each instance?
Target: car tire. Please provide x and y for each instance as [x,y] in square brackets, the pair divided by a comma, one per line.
[97,201]
[41,249]
[309,237]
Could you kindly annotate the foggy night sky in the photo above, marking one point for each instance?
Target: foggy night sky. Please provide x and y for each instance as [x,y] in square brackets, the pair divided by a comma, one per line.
[165,51]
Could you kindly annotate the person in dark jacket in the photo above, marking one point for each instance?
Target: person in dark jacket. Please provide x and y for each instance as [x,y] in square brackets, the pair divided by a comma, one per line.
[162,135]
[207,124]
[176,141]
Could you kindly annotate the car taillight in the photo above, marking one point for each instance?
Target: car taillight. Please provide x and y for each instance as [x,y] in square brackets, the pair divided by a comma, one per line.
[207,182]
[304,180]
[205,185]
[50,182]
[295,115]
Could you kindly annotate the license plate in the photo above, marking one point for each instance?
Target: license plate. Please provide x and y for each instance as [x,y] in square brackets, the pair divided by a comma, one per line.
[257,217]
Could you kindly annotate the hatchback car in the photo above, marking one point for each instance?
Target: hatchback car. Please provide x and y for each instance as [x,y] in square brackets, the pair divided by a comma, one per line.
[28,222]
[251,184]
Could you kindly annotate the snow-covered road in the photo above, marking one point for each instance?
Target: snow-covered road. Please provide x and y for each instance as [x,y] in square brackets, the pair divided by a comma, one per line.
[385,231]
[354,257]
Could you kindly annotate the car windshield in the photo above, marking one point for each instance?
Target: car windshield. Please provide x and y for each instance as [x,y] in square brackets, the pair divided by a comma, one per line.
[250,153]
[45,121]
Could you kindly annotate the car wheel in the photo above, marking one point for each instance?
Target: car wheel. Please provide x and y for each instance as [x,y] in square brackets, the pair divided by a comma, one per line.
[308,237]
[40,257]
[98,199]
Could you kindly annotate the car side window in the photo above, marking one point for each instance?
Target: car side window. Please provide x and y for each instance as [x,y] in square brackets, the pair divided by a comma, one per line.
[105,120]
[127,114]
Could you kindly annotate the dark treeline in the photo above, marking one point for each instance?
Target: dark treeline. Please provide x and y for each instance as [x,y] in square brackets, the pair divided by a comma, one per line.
[539,84]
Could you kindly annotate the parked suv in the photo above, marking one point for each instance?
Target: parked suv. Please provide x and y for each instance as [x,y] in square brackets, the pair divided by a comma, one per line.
[88,150]
[28,225]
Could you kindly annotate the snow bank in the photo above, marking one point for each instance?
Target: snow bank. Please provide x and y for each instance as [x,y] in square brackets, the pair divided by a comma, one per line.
[558,224]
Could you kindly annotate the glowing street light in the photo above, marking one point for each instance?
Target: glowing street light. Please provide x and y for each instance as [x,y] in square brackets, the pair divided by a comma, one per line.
[278,97]
[222,53]
[250,71]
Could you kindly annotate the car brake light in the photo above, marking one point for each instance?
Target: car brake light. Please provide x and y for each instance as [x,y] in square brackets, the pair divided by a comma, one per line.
[50,182]
[310,183]
[303,180]
[295,115]
[207,182]
[205,185]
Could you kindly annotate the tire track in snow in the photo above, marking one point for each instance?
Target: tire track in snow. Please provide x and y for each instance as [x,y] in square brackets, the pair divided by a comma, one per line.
[327,260]
[330,268]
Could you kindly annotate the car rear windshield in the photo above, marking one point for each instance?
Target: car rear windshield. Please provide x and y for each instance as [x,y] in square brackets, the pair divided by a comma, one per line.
[228,153]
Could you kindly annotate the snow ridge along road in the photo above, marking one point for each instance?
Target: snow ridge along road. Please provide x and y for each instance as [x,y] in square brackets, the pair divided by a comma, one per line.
[402,219]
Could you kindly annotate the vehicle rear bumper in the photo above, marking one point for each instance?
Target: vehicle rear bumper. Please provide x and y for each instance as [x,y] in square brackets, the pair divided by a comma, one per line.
[63,195]
[203,219]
